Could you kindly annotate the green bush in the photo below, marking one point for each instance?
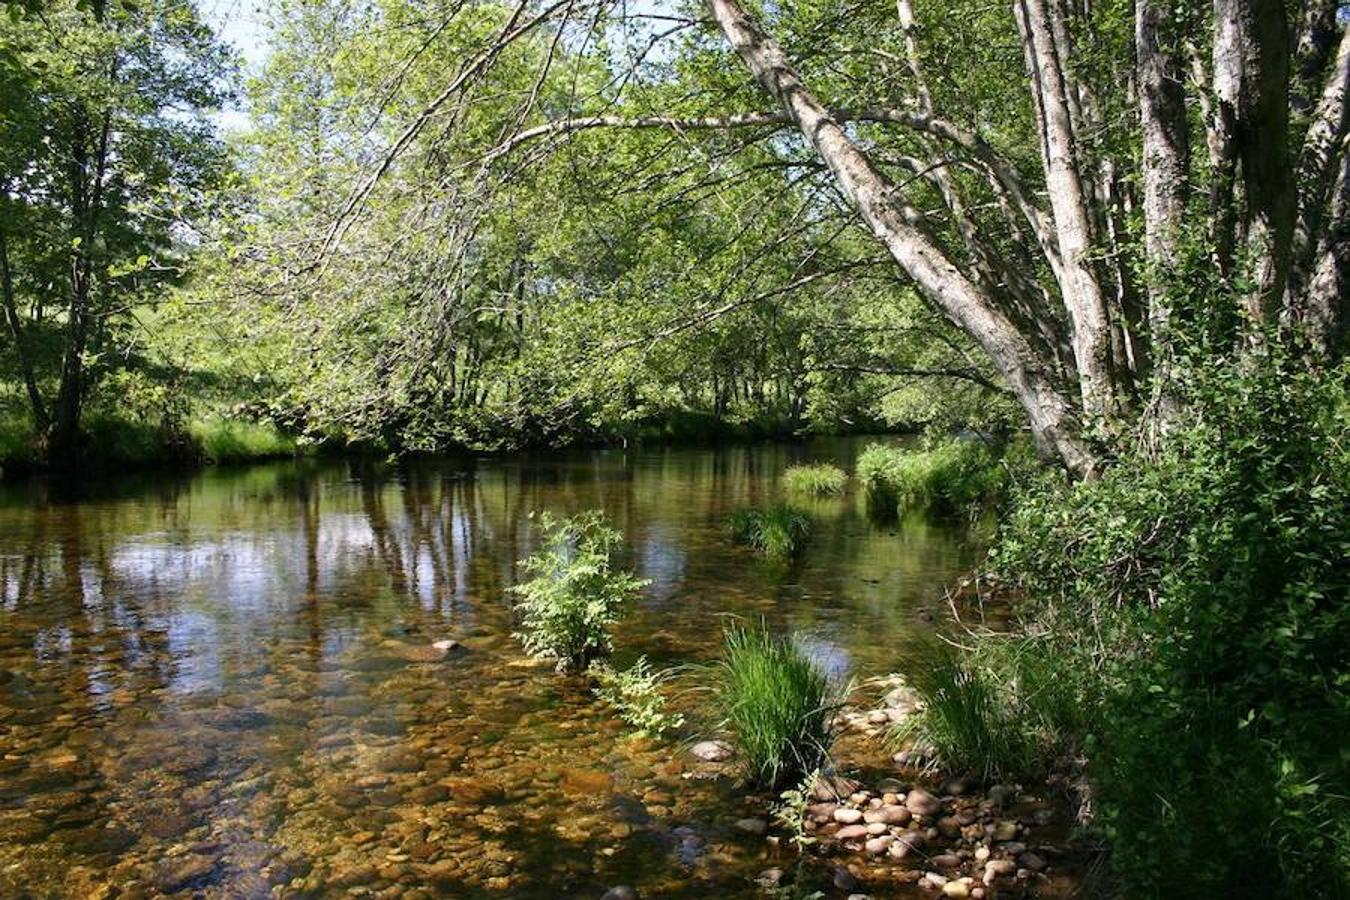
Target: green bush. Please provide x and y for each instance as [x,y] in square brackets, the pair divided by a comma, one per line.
[1195,596]
[818,479]
[951,477]
[237,440]
[779,530]
[573,595]
[635,693]
[777,703]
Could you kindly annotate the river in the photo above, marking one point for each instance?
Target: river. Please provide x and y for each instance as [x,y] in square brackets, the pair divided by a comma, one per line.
[218,683]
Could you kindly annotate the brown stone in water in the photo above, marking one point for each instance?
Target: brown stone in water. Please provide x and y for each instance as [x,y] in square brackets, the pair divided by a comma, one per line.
[587,781]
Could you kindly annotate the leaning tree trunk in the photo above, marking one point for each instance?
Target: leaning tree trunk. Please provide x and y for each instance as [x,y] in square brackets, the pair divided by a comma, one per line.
[1052,414]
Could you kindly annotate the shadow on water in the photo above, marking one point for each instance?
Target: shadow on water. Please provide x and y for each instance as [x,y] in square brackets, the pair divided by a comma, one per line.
[224,682]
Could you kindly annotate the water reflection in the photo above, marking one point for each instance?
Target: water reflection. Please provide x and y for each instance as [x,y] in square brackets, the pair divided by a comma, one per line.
[224,683]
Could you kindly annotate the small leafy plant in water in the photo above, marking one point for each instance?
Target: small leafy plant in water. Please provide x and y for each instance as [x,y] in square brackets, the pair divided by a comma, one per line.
[777,703]
[635,693]
[790,812]
[779,530]
[574,594]
[816,479]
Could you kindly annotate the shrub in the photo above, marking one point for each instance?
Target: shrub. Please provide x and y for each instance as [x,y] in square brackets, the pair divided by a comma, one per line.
[779,530]
[573,595]
[1196,596]
[777,703]
[819,479]
[635,693]
[951,477]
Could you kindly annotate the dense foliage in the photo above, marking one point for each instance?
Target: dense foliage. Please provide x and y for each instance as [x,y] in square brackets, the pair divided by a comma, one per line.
[1194,601]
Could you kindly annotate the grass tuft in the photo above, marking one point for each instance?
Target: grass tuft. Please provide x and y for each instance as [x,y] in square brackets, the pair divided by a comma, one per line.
[817,479]
[777,703]
[779,530]
[952,477]
[238,440]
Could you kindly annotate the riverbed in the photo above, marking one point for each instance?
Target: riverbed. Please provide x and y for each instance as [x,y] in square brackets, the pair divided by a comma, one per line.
[222,684]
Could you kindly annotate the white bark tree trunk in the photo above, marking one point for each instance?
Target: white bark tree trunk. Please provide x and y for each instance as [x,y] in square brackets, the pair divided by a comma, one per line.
[1051,413]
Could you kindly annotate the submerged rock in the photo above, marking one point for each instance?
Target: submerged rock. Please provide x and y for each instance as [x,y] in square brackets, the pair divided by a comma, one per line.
[711,751]
[752,826]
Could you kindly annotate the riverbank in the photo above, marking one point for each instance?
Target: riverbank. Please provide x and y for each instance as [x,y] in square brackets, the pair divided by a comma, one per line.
[116,442]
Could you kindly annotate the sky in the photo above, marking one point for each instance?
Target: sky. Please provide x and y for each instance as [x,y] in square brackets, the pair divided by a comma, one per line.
[241,23]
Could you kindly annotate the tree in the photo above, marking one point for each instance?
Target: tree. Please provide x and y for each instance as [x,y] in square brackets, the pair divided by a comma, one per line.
[106,154]
[1278,241]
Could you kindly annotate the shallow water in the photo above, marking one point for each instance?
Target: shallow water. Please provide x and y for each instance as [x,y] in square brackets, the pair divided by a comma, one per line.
[215,684]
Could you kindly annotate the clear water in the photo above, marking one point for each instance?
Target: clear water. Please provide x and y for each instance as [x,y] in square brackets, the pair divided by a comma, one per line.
[215,683]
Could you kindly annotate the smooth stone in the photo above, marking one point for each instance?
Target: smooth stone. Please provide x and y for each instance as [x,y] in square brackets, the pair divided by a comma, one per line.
[876,828]
[1031,861]
[888,815]
[587,781]
[907,843]
[447,645]
[922,803]
[998,868]
[769,878]
[1004,830]
[844,880]
[1000,794]
[752,826]
[185,873]
[879,845]
[621,892]
[846,816]
[946,861]
[851,832]
[711,751]
[955,889]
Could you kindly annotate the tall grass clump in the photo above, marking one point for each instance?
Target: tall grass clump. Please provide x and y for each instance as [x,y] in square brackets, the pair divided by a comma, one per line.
[817,480]
[777,703]
[992,709]
[237,440]
[951,477]
[573,595]
[779,530]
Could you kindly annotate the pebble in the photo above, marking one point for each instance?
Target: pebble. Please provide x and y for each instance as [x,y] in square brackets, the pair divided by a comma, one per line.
[955,889]
[752,826]
[888,815]
[922,803]
[846,816]
[620,892]
[711,751]
[879,845]
[1031,861]
[844,880]
[851,832]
